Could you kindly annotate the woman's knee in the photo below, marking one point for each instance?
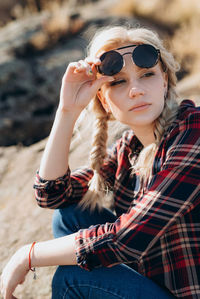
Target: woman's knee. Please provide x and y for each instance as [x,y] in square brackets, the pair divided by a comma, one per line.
[74,282]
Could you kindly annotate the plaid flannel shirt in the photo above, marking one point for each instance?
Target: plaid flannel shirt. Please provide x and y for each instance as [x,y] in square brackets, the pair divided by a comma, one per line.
[158,227]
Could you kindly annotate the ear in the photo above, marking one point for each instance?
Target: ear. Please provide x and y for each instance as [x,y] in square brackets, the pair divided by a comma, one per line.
[103,101]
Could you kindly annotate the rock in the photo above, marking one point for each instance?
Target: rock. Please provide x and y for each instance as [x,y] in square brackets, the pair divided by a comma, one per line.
[34,54]
[189,87]
[32,62]
[30,80]
[21,220]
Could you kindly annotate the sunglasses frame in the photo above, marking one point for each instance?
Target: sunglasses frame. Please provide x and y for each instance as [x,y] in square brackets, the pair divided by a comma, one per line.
[132,56]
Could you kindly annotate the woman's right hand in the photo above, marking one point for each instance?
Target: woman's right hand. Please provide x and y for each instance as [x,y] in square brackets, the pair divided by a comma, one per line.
[14,272]
[80,84]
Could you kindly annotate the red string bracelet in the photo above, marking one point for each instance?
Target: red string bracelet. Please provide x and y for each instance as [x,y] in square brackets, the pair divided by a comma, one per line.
[29,260]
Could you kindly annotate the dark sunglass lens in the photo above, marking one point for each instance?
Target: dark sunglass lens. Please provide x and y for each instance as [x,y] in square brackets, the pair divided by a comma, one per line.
[111,63]
[145,56]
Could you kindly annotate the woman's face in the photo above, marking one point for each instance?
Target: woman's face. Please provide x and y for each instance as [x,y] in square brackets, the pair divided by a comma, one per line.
[136,96]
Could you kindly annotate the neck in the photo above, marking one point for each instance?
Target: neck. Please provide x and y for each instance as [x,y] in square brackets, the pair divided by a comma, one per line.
[145,135]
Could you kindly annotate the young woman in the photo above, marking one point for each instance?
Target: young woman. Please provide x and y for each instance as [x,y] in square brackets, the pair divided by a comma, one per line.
[148,245]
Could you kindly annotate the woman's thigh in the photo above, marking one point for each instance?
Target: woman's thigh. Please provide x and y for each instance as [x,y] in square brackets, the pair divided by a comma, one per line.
[121,281]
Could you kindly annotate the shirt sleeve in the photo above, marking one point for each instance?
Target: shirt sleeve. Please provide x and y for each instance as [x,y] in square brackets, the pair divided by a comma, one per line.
[171,193]
[71,187]
[62,191]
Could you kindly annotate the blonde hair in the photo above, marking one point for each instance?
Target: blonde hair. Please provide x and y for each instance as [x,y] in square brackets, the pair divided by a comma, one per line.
[107,39]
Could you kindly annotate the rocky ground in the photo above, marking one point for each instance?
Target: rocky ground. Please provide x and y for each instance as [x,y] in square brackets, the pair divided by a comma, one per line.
[31,66]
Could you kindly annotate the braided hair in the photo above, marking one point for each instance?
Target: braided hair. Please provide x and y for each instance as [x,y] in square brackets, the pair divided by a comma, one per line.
[107,39]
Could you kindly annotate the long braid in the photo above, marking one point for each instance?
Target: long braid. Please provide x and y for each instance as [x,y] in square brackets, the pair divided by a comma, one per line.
[145,159]
[166,118]
[96,193]
[98,153]
[109,39]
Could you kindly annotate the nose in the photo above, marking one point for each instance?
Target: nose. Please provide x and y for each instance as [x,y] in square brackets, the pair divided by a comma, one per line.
[135,91]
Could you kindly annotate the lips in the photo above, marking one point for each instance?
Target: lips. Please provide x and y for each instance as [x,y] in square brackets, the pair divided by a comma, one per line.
[140,106]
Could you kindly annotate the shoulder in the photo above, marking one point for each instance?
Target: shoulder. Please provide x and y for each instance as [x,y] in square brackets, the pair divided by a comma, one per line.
[188,115]
[188,118]
[186,127]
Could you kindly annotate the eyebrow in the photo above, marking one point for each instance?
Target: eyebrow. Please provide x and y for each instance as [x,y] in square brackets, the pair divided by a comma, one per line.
[121,73]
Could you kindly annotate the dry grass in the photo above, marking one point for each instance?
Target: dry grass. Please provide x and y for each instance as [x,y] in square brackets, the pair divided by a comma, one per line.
[180,17]
[171,12]
[39,5]
[18,167]
[58,26]
[186,44]
[17,9]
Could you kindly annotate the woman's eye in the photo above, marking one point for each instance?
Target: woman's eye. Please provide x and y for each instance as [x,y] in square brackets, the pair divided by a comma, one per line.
[149,74]
[117,82]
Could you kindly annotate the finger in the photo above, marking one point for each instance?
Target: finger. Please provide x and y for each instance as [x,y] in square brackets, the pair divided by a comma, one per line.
[99,82]
[80,67]
[83,66]
[8,294]
[2,286]
[1,283]
[93,60]
[71,67]
[8,291]
[89,68]
[94,69]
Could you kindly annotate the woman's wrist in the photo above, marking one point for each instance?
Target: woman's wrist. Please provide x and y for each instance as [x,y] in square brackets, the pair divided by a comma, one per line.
[62,111]
[23,256]
[60,251]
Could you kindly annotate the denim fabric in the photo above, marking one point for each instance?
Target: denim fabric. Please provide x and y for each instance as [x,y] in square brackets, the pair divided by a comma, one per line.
[119,281]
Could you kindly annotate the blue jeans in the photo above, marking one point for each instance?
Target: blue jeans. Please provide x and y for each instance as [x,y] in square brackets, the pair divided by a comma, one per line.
[119,281]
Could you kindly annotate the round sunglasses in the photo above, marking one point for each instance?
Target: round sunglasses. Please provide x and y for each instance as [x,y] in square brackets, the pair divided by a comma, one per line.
[144,56]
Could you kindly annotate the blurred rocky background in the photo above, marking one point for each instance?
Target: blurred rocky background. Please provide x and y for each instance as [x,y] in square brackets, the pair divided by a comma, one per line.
[38,38]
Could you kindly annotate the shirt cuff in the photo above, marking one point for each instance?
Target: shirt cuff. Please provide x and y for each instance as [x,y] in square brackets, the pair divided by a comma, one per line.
[84,255]
[52,185]
[94,251]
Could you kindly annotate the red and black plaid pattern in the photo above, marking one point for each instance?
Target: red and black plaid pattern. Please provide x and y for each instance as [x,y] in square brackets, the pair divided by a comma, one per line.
[158,227]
